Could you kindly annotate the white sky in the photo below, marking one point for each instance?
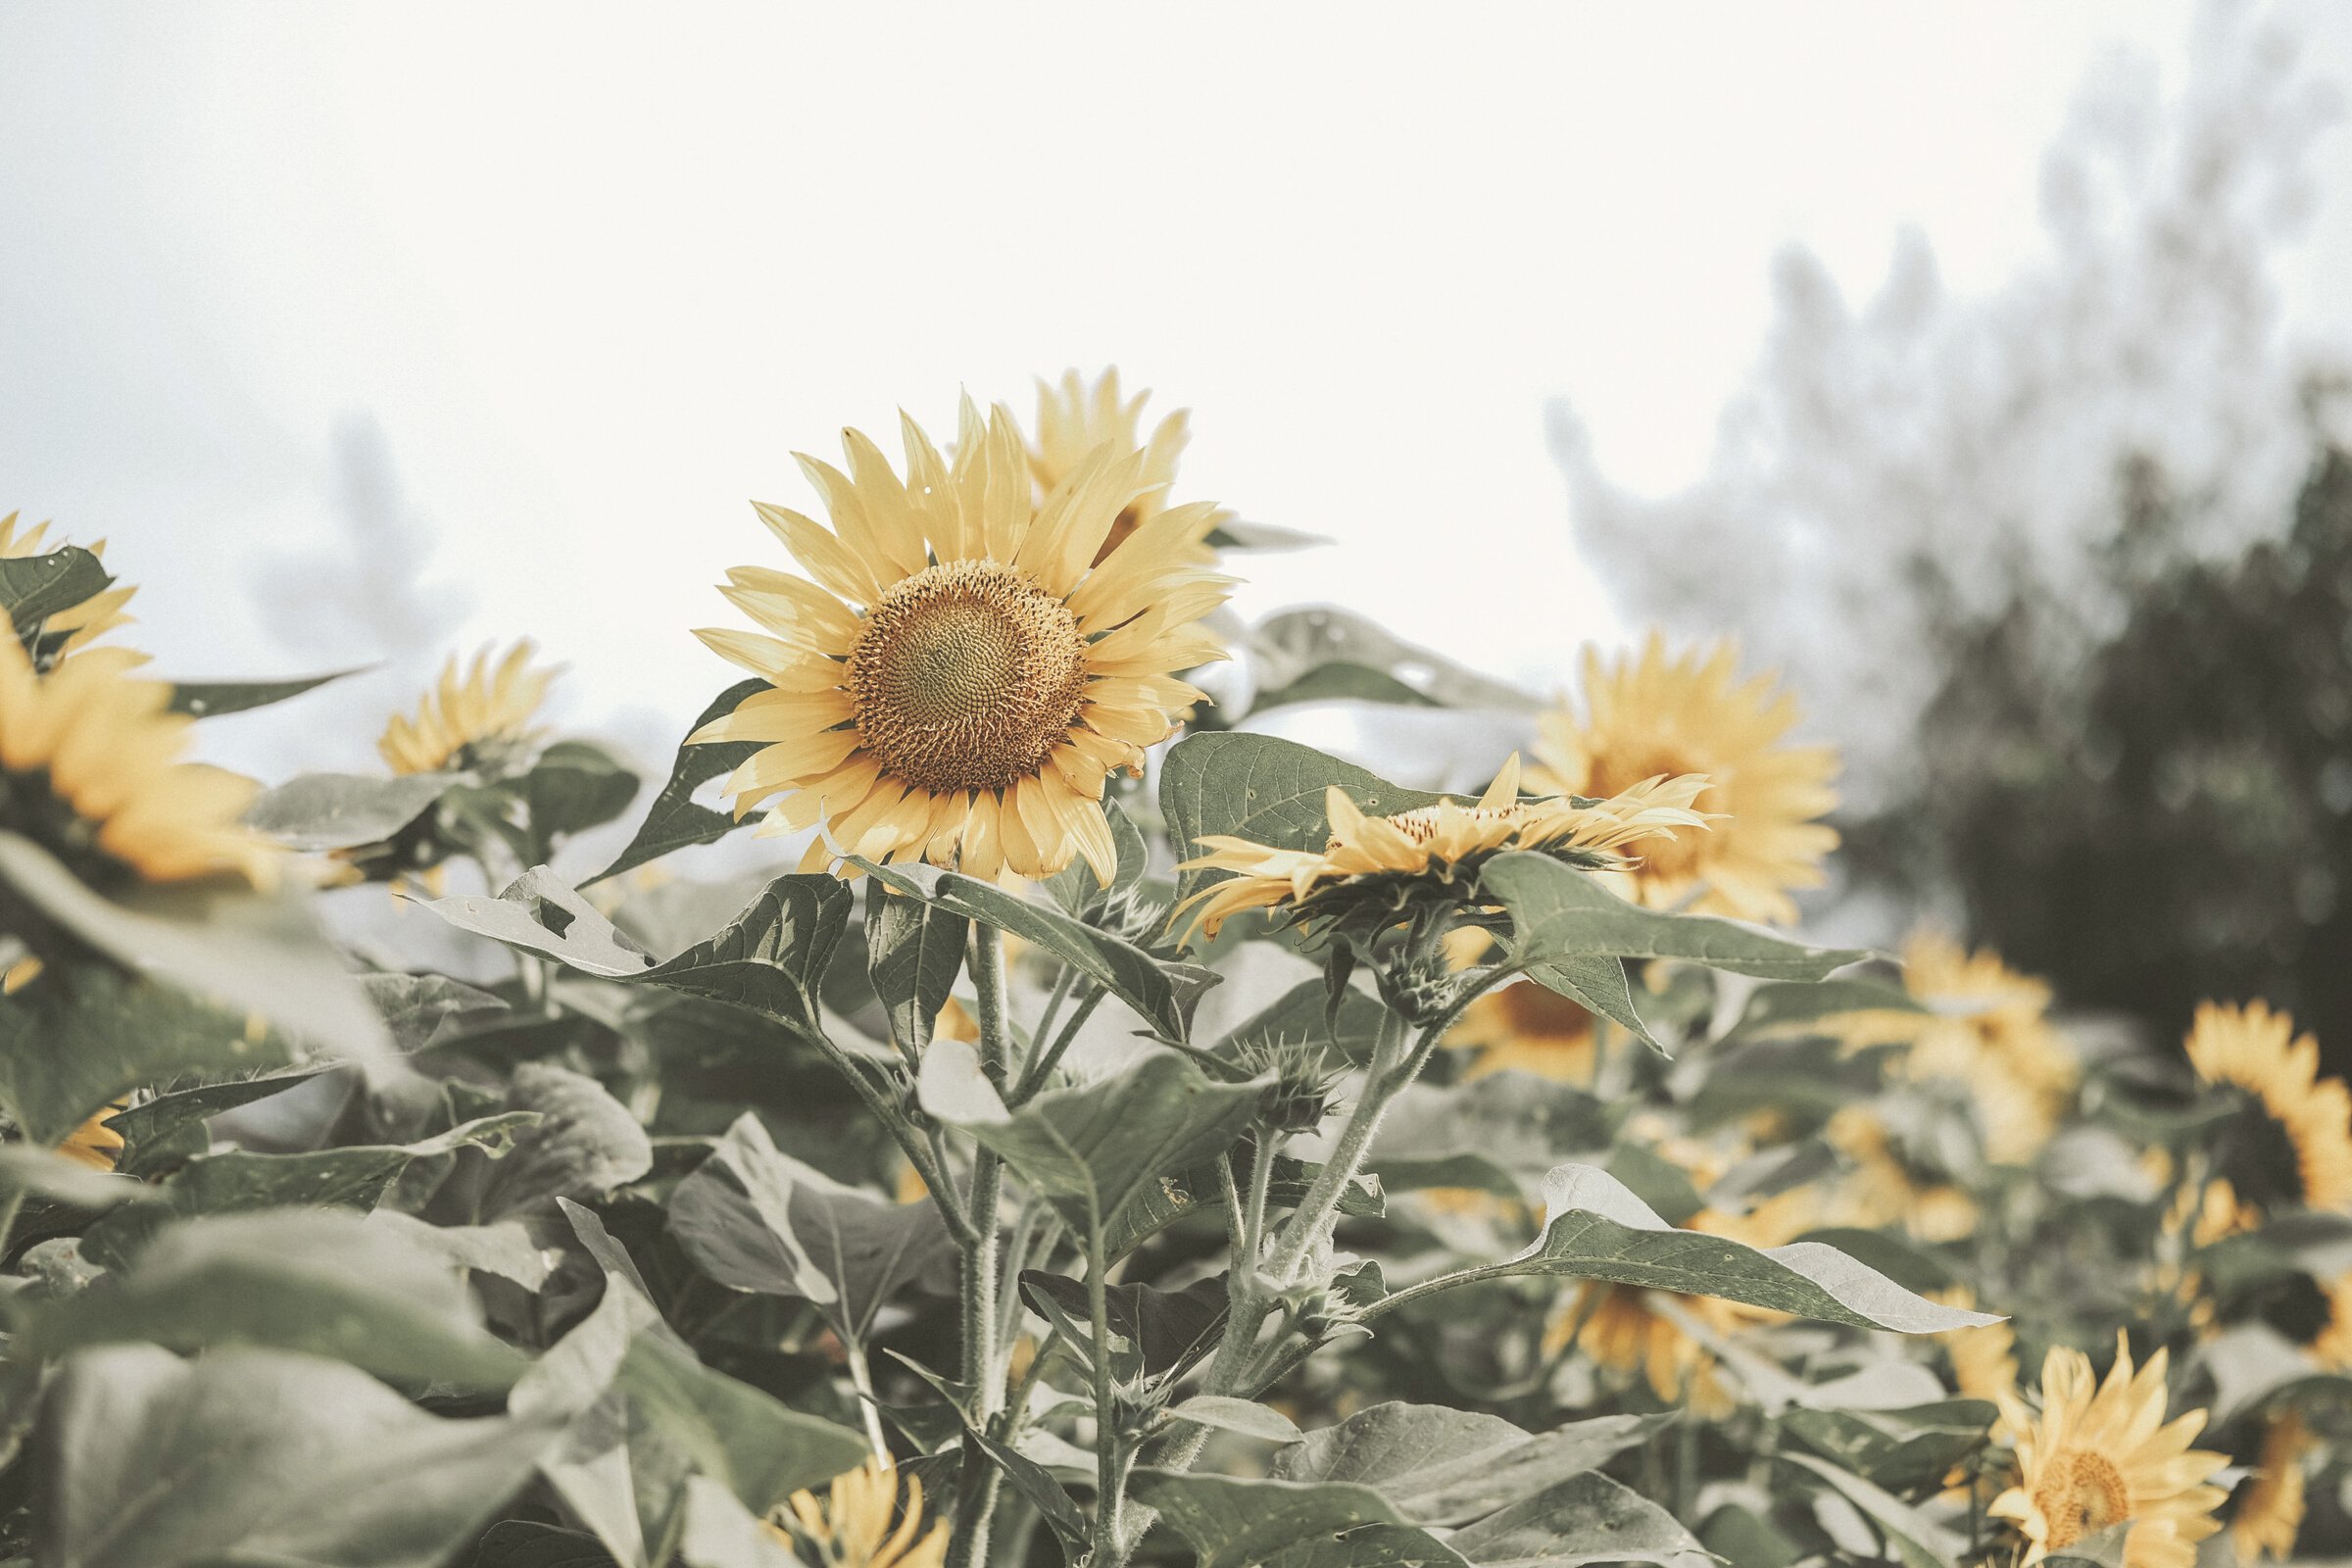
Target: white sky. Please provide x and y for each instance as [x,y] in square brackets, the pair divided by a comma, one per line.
[597,271]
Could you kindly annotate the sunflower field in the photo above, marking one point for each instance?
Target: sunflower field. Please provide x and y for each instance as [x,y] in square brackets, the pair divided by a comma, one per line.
[1098,1130]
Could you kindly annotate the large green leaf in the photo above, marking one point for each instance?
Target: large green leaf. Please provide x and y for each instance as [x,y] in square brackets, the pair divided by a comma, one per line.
[1585,1519]
[913,952]
[1596,1229]
[674,822]
[1342,682]
[32,588]
[1490,1132]
[582,1143]
[758,1219]
[253,1456]
[1090,1147]
[209,699]
[147,1128]
[245,950]
[574,786]
[1295,646]
[1919,1541]
[1558,912]
[1784,1007]
[1231,1522]
[1440,1466]
[322,812]
[1163,1330]
[1262,789]
[312,1281]
[1903,1450]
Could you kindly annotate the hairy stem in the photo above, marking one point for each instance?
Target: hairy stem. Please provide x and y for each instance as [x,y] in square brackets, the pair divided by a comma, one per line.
[977,1479]
[1110,1482]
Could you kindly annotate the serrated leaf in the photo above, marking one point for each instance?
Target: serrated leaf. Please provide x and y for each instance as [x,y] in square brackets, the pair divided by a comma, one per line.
[1600,987]
[322,812]
[32,588]
[311,1282]
[209,699]
[756,1219]
[257,1456]
[1558,912]
[1090,1148]
[540,913]
[1442,1466]
[674,822]
[1586,1519]
[418,1008]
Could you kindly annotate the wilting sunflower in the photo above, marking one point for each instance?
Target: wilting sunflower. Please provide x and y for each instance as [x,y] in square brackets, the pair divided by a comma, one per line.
[470,717]
[962,677]
[1621,1326]
[1650,714]
[1986,1028]
[2269,1504]
[95,616]
[1075,419]
[2307,1119]
[1383,861]
[2100,1455]
[852,1528]
[89,771]
[94,1144]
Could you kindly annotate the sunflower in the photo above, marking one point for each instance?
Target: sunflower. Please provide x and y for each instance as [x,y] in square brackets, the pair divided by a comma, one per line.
[2100,1456]
[2332,1344]
[89,771]
[2269,1506]
[470,719]
[1519,1027]
[1985,1358]
[1621,1327]
[1986,1029]
[94,1144]
[852,1529]
[1440,846]
[1653,715]
[1074,419]
[95,616]
[2256,1049]
[1881,1191]
[962,677]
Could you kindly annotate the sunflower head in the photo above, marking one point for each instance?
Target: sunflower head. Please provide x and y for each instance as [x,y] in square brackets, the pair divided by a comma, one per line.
[853,1527]
[1985,1028]
[94,1144]
[1075,419]
[90,770]
[1374,872]
[2294,1142]
[1653,713]
[77,627]
[2100,1457]
[2269,1504]
[470,717]
[968,667]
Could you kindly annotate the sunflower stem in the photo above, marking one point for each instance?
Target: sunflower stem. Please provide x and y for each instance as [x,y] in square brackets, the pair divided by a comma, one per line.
[1305,1225]
[862,1379]
[1109,1478]
[977,1479]
[1033,1077]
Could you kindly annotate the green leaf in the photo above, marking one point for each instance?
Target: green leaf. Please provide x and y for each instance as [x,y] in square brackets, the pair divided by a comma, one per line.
[1599,986]
[147,1126]
[1487,1133]
[1918,1539]
[540,913]
[580,1142]
[245,950]
[1302,1022]
[1246,1416]
[1558,912]
[756,1219]
[1586,1519]
[419,1008]
[1198,1191]
[1235,533]
[1903,1450]
[322,812]
[913,952]
[506,1249]
[674,822]
[1161,992]
[1785,1005]
[524,1543]
[1231,1522]
[313,1282]
[1166,1332]
[1596,1229]
[1343,682]
[1262,789]
[1440,1466]
[254,1456]
[209,699]
[575,786]
[720,1531]
[1074,888]
[32,588]
[1090,1148]
[72,1042]
[1292,646]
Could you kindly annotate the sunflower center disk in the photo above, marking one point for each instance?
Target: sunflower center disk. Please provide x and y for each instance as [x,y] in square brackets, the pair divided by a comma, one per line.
[966,675]
[2082,1495]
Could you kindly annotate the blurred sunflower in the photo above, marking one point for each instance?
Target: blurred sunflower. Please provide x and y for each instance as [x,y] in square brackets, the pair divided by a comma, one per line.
[471,718]
[1384,859]
[2306,1120]
[2333,1343]
[1881,1189]
[1521,1026]
[89,771]
[1648,714]
[94,1144]
[2269,1504]
[95,615]
[962,677]
[1984,1358]
[2100,1455]
[852,1528]
[1074,419]
[1987,1029]
[1623,1329]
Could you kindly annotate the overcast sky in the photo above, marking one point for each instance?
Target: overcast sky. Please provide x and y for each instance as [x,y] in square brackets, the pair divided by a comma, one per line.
[593,273]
